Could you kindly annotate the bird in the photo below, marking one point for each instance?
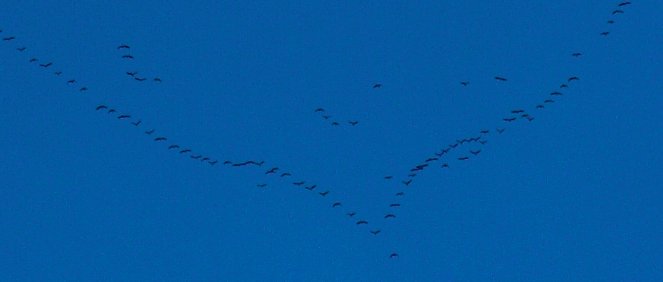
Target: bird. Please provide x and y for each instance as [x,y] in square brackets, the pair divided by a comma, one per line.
[393,255]
[610,21]
[127,57]
[213,162]
[21,49]
[530,118]
[285,174]
[360,222]
[9,38]
[563,86]
[272,170]
[140,79]
[388,177]
[174,146]
[205,159]
[300,183]
[326,116]
[46,65]
[485,131]
[500,130]
[57,73]
[390,216]
[509,119]
[227,162]
[475,152]
[375,232]
[263,185]
[123,46]
[100,107]
[517,111]
[196,157]
[335,123]
[149,132]
[351,214]
[577,54]
[605,33]
[400,194]
[539,106]
[377,85]
[132,73]
[617,12]
[500,78]
[556,93]
[160,139]
[123,116]
[185,151]
[319,110]
[337,204]
[71,81]
[310,188]
[324,193]
[111,111]
[573,78]
[549,101]
[156,79]
[407,183]
[353,122]
[431,159]
[465,83]
[624,4]
[83,89]
[445,165]
[394,205]
[137,123]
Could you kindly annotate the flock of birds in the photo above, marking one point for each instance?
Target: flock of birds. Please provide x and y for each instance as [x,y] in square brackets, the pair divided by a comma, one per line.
[469,147]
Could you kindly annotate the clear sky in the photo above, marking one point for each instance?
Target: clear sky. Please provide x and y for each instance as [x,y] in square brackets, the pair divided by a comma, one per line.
[573,195]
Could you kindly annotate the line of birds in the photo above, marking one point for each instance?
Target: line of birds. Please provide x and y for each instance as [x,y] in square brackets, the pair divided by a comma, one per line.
[326,117]
[134,74]
[476,141]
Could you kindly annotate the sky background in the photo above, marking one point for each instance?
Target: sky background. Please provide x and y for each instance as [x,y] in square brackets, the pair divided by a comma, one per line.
[574,195]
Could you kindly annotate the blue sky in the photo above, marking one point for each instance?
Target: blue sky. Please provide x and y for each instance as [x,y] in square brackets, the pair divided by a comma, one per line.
[572,195]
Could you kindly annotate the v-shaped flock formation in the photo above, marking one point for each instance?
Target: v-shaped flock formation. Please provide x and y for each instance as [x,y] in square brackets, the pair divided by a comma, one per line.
[469,147]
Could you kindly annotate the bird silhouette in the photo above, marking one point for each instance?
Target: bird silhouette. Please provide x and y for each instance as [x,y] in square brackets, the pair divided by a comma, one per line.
[465,83]
[272,170]
[485,131]
[127,56]
[539,106]
[362,222]
[132,73]
[137,123]
[185,151]
[605,33]
[500,130]
[123,117]
[500,78]
[463,158]
[263,185]
[400,194]
[160,139]
[319,110]
[196,157]
[517,111]
[390,216]
[149,132]
[407,183]
[71,81]
[156,79]
[394,205]
[213,162]
[335,123]
[509,119]
[610,21]
[393,255]
[324,193]
[82,89]
[624,4]
[556,93]
[310,188]
[21,49]
[475,152]
[576,54]
[46,65]
[563,86]
[300,183]
[573,78]
[326,116]
[101,107]
[9,38]
[483,142]
[353,122]
[140,79]
[57,73]
[337,204]
[174,146]
[375,232]
[123,46]
[617,12]
[32,60]
[445,165]
[111,111]
[285,174]
[388,177]
[377,85]
[351,214]
[549,101]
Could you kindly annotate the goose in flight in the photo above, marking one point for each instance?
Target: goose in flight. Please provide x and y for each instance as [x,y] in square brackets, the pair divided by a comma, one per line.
[624,4]
[21,49]
[617,12]
[205,159]
[149,132]
[463,158]
[185,151]
[123,117]
[127,57]
[375,232]
[335,123]
[605,33]
[353,122]
[137,123]
[32,60]
[475,152]
[272,170]
[360,222]
[539,106]
[174,146]
[160,139]
[517,111]
[9,38]
[213,162]
[310,188]
[400,194]
[324,193]
[445,165]
[483,142]
[196,157]
[393,255]
[573,78]
[485,131]
[556,93]
[132,73]
[71,81]
[123,46]
[101,107]
[394,205]
[285,174]
[337,204]
[46,65]
[300,183]
[351,214]
[509,119]
[83,89]
[465,83]
[319,110]
[390,216]
[500,78]
[500,130]
[156,79]
[262,185]
[326,116]
[563,86]
[577,54]
[431,159]
[57,73]
[388,177]
[140,78]
[377,85]
[549,101]
[610,21]
[407,183]
[111,111]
